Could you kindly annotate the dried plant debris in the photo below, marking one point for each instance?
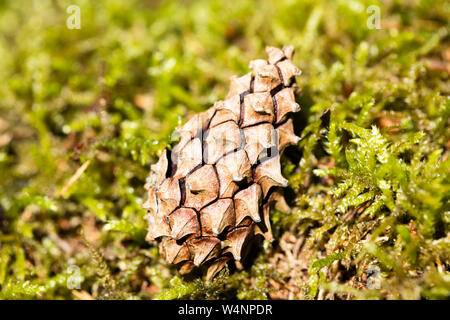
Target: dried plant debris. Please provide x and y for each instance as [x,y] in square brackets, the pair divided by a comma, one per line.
[210,196]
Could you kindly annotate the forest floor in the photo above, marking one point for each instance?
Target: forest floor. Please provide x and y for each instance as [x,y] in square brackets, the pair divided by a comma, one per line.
[85,112]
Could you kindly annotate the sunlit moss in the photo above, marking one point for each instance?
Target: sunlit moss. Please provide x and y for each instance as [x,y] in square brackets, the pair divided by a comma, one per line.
[369,181]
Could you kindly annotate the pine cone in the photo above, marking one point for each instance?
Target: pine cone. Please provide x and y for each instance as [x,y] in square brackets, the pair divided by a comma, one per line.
[210,195]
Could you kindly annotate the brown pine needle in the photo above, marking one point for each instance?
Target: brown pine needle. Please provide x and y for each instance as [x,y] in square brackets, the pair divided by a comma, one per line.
[74,178]
[82,295]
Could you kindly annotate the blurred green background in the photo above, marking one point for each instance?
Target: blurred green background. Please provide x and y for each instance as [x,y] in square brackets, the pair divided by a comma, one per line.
[85,112]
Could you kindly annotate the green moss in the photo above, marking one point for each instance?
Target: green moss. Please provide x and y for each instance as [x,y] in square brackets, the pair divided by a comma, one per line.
[368,189]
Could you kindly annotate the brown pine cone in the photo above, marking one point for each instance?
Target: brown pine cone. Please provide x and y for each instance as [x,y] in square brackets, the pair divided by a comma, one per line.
[211,194]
